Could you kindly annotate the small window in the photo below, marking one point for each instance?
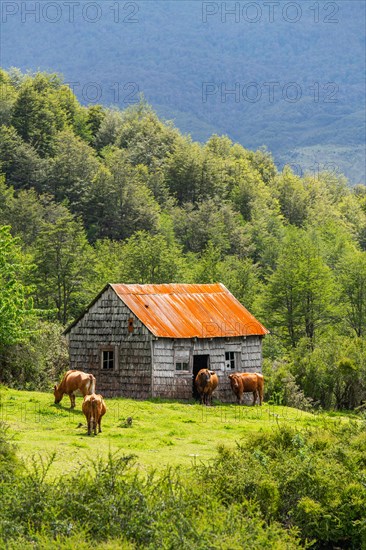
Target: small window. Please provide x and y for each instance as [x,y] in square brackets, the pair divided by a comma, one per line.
[181,366]
[230,360]
[130,325]
[107,360]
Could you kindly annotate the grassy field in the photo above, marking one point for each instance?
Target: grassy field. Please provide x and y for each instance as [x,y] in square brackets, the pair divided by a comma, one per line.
[162,433]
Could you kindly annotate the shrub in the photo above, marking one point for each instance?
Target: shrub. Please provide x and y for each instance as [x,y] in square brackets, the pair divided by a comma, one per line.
[312,481]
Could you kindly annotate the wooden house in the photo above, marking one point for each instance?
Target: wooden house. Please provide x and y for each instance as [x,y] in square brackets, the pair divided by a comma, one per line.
[146,341]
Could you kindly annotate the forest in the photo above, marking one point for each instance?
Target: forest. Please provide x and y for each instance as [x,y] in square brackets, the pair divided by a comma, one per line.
[90,195]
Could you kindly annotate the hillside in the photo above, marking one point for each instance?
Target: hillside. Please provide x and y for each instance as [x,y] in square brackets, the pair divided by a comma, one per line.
[297,72]
[182,476]
[162,433]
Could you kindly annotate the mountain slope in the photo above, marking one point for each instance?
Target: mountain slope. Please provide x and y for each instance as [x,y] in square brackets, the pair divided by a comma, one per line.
[297,72]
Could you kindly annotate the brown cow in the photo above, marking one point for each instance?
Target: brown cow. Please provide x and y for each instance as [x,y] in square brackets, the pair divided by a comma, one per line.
[94,408]
[72,381]
[247,382]
[206,382]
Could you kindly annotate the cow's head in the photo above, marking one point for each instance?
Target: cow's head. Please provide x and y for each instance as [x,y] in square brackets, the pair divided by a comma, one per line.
[235,381]
[58,395]
[204,376]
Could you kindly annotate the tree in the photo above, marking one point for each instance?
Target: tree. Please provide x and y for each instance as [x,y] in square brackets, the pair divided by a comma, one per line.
[292,197]
[7,98]
[353,284]
[109,129]
[207,269]
[37,114]
[184,171]
[248,185]
[20,162]
[145,137]
[73,167]
[64,261]
[333,372]
[15,309]
[150,259]
[301,292]
[210,220]
[119,202]
[241,277]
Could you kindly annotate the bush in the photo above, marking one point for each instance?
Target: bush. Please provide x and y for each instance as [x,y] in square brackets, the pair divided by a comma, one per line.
[281,387]
[33,365]
[112,506]
[312,481]
[276,490]
[8,459]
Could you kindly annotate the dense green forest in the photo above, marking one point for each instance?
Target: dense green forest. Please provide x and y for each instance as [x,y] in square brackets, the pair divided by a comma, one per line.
[310,54]
[90,195]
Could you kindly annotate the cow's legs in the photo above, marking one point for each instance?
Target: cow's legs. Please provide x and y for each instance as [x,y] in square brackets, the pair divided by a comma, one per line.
[254,397]
[260,395]
[99,425]
[89,427]
[72,399]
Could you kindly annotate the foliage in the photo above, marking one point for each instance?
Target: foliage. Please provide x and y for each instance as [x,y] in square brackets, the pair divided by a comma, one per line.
[98,195]
[15,308]
[330,374]
[63,258]
[312,480]
[301,291]
[287,487]
[38,361]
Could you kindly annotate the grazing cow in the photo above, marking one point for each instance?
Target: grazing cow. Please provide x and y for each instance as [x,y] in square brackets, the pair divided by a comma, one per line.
[247,382]
[206,382]
[72,381]
[94,408]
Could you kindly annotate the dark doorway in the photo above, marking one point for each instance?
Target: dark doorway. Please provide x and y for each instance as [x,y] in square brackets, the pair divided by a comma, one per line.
[199,362]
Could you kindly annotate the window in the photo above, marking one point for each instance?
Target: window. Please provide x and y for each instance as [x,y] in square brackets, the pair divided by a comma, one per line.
[107,359]
[180,365]
[230,360]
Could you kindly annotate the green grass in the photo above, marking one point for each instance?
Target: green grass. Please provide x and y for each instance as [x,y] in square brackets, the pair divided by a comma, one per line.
[162,432]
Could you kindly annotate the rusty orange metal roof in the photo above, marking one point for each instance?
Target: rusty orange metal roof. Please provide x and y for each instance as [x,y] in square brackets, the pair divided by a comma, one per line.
[189,310]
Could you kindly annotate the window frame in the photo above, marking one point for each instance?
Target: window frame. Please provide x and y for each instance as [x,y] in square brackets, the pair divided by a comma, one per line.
[181,369]
[114,359]
[231,361]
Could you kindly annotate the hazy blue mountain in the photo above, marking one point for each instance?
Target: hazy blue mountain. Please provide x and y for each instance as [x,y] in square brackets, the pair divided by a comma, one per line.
[296,68]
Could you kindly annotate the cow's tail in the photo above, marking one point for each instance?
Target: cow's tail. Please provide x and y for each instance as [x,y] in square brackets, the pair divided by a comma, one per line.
[91,387]
[94,411]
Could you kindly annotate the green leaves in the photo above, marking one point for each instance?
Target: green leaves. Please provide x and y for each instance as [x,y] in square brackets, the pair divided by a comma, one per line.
[64,262]
[301,293]
[15,308]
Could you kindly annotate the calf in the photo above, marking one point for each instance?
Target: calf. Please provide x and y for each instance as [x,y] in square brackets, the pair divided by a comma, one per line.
[242,382]
[94,408]
[206,382]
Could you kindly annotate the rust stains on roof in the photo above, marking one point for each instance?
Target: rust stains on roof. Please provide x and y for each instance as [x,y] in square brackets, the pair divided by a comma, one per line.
[189,310]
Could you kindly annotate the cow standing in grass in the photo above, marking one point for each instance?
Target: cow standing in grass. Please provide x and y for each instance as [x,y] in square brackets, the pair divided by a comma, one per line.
[74,380]
[206,382]
[94,408]
[242,382]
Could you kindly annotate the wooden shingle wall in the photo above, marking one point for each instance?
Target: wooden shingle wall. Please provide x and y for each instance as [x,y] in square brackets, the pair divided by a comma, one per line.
[167,382]
[105,325]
